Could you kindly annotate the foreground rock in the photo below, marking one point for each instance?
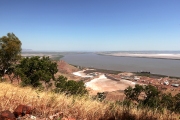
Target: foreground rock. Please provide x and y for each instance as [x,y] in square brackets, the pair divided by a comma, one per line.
[22,110]
[7,115]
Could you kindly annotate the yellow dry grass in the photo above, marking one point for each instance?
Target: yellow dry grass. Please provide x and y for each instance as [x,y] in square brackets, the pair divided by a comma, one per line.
[81,108]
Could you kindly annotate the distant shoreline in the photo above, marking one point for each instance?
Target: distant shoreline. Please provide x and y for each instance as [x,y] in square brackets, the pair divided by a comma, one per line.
[153,56]
[108,71]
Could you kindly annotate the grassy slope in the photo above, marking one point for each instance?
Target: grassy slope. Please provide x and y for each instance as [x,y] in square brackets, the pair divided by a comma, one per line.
[81,108]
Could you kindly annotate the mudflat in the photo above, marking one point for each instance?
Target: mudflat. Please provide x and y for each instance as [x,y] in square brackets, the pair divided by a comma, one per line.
[101,83]
[161,56]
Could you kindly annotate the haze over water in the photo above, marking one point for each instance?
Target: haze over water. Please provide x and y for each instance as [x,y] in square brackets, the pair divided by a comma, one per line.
[130,64]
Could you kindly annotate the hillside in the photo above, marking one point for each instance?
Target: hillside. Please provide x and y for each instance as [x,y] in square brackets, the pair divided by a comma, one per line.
[45,104]
[66,70]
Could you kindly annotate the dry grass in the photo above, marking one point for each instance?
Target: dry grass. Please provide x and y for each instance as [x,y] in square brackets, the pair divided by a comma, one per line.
[81,108]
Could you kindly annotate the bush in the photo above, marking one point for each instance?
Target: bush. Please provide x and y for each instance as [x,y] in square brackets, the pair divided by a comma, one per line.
[153,98]
[177,102]
[69,86]
[100,96]
[35,70]
[133,93]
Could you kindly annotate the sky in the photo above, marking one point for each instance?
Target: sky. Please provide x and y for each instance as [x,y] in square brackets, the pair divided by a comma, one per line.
[93,25]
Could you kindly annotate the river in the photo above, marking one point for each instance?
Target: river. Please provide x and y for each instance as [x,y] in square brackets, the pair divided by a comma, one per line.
[130,64]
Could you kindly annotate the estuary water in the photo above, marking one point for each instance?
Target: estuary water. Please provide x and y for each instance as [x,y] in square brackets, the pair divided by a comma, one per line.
[130,64]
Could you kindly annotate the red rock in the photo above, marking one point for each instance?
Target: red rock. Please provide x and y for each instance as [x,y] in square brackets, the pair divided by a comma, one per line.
[22,110]
[7,115]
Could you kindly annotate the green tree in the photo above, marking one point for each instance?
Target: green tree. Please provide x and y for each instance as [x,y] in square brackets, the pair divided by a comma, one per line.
[152,96]
[167,101]
[69,86]
[60,83]
[35,70]
[133,93]
[129,93]
[177,102]
[10,53]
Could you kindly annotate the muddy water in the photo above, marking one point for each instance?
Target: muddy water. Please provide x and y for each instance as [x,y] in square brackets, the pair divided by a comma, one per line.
[130,64]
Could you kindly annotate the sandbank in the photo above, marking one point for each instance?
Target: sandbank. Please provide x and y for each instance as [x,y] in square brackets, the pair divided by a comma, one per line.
[160,56]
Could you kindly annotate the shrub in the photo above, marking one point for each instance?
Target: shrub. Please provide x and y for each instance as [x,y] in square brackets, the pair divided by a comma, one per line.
[35,70]
[69,86]
[153,98]
[101,96]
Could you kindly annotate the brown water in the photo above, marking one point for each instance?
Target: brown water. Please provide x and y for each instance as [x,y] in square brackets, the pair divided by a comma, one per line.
[130,64]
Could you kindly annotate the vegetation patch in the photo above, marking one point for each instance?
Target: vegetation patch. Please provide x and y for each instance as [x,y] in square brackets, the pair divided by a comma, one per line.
[150,97]
[46,103]
[69,87]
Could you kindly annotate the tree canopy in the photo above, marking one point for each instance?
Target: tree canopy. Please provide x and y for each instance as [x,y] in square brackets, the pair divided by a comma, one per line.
[10,52]
[35,70]
[153,98]
[69,86]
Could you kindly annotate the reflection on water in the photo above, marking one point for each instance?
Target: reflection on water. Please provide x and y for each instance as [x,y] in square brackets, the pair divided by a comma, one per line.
[131,64]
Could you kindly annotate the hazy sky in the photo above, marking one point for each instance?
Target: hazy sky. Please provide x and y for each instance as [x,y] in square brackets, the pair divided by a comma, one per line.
[92,25]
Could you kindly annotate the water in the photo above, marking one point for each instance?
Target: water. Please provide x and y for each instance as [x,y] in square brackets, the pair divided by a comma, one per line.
[130,64]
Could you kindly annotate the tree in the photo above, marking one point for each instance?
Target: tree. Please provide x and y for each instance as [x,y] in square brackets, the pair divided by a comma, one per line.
[129,93]
[152,96]
[69,86]
[133,93]
[10,53]
[35,70]
[177,102]
[167,101]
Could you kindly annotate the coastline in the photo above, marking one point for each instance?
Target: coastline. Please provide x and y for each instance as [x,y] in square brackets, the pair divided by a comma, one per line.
[153,56]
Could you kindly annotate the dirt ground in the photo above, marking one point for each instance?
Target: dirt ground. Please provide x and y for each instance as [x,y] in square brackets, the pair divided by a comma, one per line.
[103,84]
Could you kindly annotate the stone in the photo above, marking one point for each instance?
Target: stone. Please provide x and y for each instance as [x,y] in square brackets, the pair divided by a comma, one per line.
[22,110]
[7,115]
